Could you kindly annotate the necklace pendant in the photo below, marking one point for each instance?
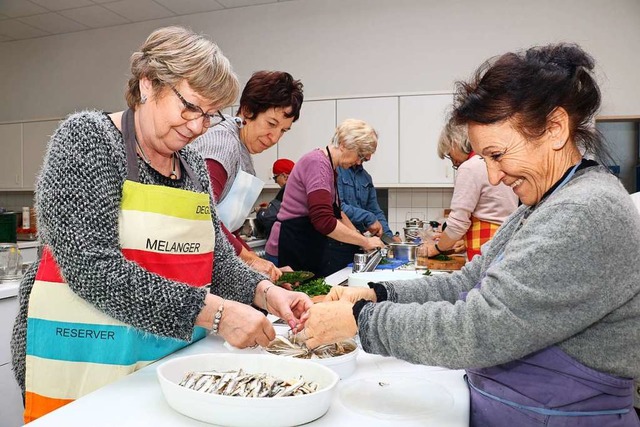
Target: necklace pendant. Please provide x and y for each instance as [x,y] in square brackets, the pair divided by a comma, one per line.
[173,176]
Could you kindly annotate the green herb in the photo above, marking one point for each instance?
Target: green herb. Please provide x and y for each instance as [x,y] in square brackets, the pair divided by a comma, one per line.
[427,272]
[384,261]
[442,257]
[294,277]
[314,287]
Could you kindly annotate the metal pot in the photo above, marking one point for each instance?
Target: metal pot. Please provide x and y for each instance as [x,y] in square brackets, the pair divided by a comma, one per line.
[404,251]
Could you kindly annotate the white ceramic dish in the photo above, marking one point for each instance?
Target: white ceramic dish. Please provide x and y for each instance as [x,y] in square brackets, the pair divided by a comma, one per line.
[344,365]
[248,411]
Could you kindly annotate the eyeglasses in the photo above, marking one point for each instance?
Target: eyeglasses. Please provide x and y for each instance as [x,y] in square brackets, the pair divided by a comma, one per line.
[275,177]
[453,164]
[363,158]
[193,112]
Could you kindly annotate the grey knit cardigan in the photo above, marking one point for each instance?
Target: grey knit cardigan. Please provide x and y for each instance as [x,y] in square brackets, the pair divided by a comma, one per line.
[570,277]
[78,195]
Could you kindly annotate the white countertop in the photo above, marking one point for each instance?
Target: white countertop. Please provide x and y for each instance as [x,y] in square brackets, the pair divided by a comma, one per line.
[256,243]
[137,400]
[24,244]
[9,288]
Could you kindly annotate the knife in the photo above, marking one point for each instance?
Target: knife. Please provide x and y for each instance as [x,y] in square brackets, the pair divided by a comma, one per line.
[386,239]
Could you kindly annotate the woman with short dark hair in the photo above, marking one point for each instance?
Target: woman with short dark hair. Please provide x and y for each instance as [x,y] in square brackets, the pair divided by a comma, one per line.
[269,104]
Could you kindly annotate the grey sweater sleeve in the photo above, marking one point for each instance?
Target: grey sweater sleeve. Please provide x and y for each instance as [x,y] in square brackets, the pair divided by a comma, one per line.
[554,286]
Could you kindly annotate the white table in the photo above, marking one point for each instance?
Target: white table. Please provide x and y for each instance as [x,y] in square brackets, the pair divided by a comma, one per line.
[137,400]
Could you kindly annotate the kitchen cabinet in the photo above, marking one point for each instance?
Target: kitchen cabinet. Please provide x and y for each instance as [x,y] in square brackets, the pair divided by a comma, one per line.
[313,129]
[382,114]
[35,137]
[11,158]
[422,118]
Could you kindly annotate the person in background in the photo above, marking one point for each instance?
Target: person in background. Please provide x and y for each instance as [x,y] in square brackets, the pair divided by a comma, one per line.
[477,207]
[266,216]
[360,202]
[312,233]
[270,103]
[134,264]
[546,321]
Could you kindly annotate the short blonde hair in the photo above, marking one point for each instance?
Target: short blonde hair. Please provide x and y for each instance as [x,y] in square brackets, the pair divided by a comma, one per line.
[356,135]
[172,54]
[453,135]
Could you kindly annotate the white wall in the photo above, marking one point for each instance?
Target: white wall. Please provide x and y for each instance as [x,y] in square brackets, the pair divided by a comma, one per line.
[337,48]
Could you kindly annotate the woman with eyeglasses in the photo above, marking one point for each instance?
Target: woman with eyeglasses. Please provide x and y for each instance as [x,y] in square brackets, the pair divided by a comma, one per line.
[477,207]
[312,233]
[134,263]
[270,103]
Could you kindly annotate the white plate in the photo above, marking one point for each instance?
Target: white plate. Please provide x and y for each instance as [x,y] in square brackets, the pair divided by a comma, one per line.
[395,397]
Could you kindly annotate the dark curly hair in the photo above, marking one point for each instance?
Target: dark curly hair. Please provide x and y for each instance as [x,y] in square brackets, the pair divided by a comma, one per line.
[526,87]
[271,89]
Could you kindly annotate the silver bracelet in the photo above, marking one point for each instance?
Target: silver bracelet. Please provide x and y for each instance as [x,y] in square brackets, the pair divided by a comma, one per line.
[266,305]
[216,319]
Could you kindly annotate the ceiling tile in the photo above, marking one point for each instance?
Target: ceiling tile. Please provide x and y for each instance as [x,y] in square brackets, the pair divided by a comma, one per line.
[186,7]
[240,3]
[53,23]
[18,30]
[62,4]
[94,16]
[17,8]
[139,10]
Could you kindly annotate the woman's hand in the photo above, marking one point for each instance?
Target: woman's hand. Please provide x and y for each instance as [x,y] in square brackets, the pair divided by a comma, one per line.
[372,243]
[339,293]
[243,326]
[375,229]
[459,247]
[287,305]
[329,322]
[265,267]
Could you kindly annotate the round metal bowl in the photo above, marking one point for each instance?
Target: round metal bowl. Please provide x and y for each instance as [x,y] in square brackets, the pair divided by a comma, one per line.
[404,251]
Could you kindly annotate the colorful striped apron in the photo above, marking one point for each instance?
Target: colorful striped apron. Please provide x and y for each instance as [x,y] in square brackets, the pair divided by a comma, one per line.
[72,347]
[478,234]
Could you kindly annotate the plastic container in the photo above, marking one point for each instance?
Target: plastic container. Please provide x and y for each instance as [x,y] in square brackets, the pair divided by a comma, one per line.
[8,227]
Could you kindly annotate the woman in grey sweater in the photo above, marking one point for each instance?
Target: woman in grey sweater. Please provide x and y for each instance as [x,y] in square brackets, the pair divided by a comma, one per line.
[547,320]
[134,264]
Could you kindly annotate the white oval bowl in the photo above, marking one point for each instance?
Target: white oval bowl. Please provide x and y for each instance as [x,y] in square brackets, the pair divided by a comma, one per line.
[248,411]
[344,365]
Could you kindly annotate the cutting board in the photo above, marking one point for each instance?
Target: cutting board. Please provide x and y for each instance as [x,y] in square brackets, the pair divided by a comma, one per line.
[455,263]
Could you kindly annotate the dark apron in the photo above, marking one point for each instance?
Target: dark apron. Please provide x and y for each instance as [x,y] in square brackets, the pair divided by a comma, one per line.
[302,247]
[549,388]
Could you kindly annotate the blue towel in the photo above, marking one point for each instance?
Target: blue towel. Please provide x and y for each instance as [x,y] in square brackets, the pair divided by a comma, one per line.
[390,265]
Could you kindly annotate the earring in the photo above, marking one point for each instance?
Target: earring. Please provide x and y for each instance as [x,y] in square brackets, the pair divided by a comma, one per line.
[143,99]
